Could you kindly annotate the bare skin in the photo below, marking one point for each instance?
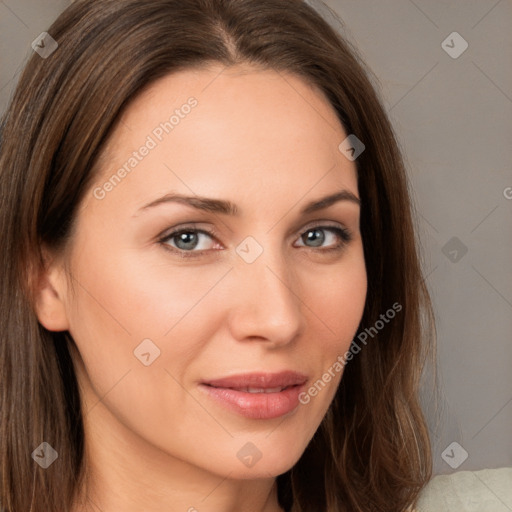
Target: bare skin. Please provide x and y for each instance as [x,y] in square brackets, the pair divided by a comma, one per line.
[268,143]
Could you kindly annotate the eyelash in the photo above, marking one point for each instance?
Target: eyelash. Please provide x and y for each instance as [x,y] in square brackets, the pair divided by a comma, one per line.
[343,234]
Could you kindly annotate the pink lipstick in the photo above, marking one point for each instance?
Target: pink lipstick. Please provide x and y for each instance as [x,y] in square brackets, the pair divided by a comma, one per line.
[258,395]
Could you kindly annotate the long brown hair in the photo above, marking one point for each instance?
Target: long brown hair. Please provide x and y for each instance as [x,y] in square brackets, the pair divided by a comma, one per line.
[372,450]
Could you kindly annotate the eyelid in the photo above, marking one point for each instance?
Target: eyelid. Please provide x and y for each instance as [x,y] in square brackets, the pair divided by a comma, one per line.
[322,224]
[188,226]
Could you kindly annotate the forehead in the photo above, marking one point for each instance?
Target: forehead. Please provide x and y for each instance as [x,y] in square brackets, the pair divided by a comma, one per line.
[268,103]
[235,126]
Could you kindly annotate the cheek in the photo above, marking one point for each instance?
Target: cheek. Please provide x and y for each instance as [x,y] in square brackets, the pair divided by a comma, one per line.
[335,302]
[139,296]
[337,298]
[127,307]
[137,334]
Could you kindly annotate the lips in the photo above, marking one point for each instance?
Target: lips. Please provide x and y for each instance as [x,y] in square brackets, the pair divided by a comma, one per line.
[259,381]
[258,395]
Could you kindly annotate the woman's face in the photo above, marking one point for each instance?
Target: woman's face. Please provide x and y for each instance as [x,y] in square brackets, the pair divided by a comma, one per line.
[173,294]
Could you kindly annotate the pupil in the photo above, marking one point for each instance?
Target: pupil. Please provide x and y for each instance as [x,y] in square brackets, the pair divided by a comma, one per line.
[187,238]
[317,240]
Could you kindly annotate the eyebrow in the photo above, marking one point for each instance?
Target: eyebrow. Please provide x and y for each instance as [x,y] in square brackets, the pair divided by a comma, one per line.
[229,208]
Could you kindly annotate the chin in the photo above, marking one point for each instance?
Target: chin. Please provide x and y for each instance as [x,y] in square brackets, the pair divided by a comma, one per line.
[261,459]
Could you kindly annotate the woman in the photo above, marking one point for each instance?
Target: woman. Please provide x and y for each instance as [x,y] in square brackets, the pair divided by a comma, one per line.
[211,293]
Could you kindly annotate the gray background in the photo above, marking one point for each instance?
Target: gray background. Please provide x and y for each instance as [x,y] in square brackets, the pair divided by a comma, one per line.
[453,117]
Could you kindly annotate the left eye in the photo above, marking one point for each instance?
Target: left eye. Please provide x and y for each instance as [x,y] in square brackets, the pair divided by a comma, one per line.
[317,236]
[189,239]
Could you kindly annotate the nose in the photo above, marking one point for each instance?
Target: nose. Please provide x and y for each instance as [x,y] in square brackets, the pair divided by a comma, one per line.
[264,302]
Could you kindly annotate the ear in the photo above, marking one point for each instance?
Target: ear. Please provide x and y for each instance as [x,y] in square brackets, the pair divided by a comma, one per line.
[50,295]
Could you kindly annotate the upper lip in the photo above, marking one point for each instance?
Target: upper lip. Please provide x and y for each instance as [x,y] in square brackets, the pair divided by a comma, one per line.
[260,380]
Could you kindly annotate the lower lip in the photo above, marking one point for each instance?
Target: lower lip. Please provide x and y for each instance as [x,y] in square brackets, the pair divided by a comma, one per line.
[262,406]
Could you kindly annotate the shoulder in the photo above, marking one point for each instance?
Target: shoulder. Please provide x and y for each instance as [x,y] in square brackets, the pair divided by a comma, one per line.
[487,490]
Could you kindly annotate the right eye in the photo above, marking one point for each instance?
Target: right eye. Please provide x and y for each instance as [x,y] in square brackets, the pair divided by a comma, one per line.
[187,240]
